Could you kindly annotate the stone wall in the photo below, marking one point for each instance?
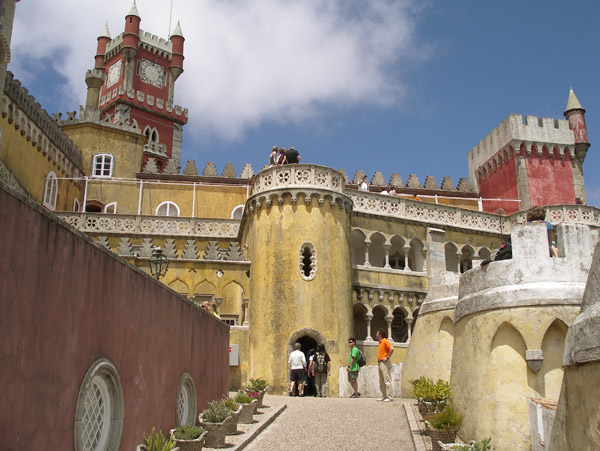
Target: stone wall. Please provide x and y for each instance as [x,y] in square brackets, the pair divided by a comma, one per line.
[68,304]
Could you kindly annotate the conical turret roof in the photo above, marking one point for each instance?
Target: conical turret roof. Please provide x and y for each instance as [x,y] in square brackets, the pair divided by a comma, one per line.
[105,33]
[133,11]
[573,103]
[177,31]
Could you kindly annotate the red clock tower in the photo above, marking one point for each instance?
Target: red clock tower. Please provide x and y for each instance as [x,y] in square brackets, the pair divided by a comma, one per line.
[140,70]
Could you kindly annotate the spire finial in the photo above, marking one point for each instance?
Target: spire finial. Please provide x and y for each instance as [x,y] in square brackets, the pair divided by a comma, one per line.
[133,11]
[573,103]
[177,31]
[105,33]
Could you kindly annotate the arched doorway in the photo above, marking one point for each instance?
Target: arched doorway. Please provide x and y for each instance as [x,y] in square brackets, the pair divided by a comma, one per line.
[309,347]
[308,339]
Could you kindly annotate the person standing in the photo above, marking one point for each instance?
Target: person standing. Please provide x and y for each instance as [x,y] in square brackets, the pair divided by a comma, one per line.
[353,368]
[297,362]
[292,156]
[363,185]
[321,366]
[384,352]
[273,156]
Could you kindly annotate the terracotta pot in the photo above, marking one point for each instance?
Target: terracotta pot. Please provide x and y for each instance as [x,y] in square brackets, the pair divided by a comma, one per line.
[246,415]
[189,445]
[439,435]
[215,437]
[231,426]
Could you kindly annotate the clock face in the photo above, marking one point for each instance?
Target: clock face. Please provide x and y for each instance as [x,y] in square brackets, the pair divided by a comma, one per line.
[114,73]
[152,73]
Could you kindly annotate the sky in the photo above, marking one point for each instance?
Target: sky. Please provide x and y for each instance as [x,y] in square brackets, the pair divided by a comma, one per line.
[397,86]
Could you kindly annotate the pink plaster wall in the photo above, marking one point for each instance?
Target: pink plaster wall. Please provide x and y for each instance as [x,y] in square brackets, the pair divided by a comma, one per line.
[65,303]
[550,179]
[501,184]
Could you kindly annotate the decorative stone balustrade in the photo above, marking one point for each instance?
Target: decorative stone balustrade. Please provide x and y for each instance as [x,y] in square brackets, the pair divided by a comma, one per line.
[107,224]
[298,176]
[401,208]
[570,214]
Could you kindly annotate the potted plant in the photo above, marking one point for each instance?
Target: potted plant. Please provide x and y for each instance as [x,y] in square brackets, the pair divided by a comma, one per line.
[232,422]
[156,441]
[431,396]
[189,438]
[443,426]
[254,395]
[213,419]
[248,403]
[261,386]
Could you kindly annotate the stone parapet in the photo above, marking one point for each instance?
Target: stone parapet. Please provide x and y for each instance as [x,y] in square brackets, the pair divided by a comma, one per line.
[531,277]
[298,176]
[112,224]
[435,215]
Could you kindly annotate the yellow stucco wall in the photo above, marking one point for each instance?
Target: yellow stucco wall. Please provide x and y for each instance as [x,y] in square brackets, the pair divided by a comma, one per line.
[578,414]
[491,379]
[238,375]
[31,167]
[282,302]
[430,350]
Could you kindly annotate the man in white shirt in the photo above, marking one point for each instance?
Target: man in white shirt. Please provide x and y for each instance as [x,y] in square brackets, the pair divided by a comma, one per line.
[297,362]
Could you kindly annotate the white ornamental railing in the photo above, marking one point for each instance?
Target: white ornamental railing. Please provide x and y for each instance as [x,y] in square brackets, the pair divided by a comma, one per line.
[435,214]
[298,176]
[106,224]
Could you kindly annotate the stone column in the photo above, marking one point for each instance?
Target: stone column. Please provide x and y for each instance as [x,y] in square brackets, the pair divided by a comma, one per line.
[409,321]
[245,312]
[367,244]
[406,250]
[389,318]
[386,248]
[368,318]
[219,301]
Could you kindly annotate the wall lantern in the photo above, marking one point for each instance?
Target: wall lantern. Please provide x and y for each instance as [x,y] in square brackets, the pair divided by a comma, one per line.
[158,263]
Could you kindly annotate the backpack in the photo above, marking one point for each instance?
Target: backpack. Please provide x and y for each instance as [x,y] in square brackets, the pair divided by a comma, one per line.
[504,253]
[320,363]
[361,359]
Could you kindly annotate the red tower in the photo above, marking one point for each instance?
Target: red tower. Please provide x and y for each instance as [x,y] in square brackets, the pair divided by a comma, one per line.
[530,162]
[140,73]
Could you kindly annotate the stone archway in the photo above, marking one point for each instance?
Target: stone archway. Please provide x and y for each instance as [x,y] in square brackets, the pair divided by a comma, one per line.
[308,338]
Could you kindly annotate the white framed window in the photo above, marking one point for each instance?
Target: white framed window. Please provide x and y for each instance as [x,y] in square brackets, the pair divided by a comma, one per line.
[50,191]
[307,261]
[111,208]
[76,204]
[167,208]
[102,165]
[237,212]
[100,409]
[186,408]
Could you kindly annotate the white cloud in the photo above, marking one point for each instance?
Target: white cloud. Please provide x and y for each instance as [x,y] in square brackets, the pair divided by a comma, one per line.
[246,63]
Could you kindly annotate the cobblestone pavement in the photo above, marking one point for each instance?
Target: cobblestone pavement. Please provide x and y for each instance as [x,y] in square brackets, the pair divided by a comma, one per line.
[338,424]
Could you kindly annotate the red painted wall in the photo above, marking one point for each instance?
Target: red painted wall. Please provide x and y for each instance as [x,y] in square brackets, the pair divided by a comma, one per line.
[550,180]
[501,184]
[66,303]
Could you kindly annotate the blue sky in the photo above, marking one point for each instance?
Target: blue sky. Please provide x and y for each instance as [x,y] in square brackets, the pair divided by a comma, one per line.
[387,85]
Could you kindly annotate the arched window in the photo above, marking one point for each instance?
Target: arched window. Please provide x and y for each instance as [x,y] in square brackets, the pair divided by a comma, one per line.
[307,261]
[167,208]
[50,191]
[466,259]
[451,253]
[103,165]
[357,243]
[237,212]
[111,208]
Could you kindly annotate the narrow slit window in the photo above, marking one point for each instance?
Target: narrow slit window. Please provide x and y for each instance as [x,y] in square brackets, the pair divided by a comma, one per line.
[307,261]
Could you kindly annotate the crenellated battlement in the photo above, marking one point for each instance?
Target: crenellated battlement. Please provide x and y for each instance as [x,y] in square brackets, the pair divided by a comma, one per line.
[146,100]
[156,42]
[515,134]
[32,120]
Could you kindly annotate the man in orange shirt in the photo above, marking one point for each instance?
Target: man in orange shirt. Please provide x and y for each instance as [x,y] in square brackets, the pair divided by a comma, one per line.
[384,352]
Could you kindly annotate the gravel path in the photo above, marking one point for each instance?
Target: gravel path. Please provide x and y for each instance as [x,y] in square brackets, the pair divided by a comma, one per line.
[335,424]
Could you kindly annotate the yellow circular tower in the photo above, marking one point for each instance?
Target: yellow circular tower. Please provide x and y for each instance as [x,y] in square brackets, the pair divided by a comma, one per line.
[297,229]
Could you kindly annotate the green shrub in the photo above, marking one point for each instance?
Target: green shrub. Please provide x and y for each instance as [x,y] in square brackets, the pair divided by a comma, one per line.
[448,419]
[216,412]
[230,404]
[184,432]
[243,399]
[156,441]
[258,384]
[437,393]
[484,445]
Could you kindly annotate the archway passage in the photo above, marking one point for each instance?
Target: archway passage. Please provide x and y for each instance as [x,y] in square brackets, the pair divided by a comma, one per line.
[309,345]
